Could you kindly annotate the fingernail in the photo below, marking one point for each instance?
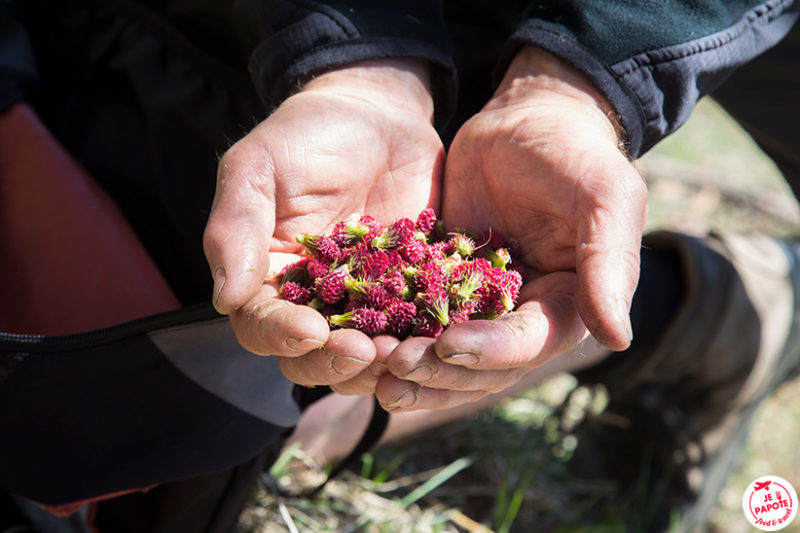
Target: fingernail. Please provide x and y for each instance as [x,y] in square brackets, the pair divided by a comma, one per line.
[378,369]
[622,316]
[422,373]
[408,399]
[465,359]
[342,364]
[303,345]
[219,283]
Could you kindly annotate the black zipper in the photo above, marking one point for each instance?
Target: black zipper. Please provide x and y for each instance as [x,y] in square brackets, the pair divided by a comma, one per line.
[28,343]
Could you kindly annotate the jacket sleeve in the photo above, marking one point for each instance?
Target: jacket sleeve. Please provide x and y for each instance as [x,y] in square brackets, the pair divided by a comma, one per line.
[300,39]
[653,60]
[18,74]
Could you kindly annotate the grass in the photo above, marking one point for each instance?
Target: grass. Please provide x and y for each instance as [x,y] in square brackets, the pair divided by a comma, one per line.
[513,468]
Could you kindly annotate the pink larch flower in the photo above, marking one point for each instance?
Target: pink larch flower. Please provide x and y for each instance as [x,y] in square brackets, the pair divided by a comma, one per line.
[400,317]
[403,229]
[372,265]
[398,233]
[499,258]
[429,276]
[436,251]
[393,281]
[465,288]
[355,228]
[331,288]
[477,264]
[317,267]
[377,297]
[504,285]
[408,278]
[353,253]
[468,307]
[321,246]
[396,260]
[342,235]
[426,220]
[357,288]
[428,326]
[493,277]
[374,228]
[413,250]
[352,305]
[436,302]
[490,307]
[293,272]
[370,321]
[462,245]
[498,292]
[458,315]
[511,287]
[295,293]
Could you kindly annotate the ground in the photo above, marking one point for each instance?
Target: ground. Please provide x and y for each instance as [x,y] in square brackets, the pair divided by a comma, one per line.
[508,469]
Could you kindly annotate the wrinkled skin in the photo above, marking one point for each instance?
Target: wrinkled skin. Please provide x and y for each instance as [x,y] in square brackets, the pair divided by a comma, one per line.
[540,163]
[358,140]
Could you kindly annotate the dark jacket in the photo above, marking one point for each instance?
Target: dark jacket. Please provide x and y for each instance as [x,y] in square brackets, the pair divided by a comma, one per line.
[652,60]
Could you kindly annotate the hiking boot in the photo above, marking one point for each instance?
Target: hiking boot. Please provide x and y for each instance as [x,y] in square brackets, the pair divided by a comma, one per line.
[678,415]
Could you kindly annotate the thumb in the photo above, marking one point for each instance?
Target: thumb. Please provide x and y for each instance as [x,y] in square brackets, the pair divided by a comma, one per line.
[544,325]
[607,257]
[238,233]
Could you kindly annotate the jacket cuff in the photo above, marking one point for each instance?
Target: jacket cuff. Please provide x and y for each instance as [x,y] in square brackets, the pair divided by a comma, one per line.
[655,90]
[18,73]
[322,40]
[629,113]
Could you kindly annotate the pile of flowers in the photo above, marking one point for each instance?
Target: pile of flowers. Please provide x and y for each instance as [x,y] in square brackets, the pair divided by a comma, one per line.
[410,278]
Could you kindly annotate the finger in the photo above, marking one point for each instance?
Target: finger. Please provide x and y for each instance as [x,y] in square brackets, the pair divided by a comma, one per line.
[237,236]
[362,384]
[347,353]
[365,382]
[396,395]
[384,346]
[267,325]
[545,325]
[415,360]
[607,259]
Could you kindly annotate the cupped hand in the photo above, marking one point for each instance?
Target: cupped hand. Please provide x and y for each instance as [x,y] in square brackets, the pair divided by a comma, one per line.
[540,163]
[472,359]
[356,140]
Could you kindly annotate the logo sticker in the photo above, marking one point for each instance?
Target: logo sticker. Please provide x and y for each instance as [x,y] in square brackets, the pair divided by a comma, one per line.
[770,503]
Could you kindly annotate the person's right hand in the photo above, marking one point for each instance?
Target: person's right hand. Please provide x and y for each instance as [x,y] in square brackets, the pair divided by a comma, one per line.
[541,164]
[355,140]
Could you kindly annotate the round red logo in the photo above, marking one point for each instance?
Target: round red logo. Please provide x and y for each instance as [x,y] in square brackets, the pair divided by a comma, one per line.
[770,503]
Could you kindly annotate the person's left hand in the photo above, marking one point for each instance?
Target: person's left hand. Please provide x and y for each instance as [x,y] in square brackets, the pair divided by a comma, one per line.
[541,164]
